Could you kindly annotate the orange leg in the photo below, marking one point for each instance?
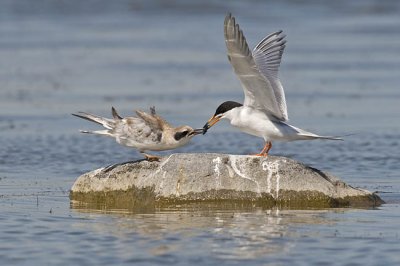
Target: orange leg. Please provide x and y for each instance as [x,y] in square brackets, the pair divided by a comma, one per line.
[265,150]
[151,158]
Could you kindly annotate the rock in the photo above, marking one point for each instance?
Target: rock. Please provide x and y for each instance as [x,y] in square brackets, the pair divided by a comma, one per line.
[217,178]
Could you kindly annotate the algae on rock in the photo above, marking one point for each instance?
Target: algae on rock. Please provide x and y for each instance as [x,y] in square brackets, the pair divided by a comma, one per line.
[209,177]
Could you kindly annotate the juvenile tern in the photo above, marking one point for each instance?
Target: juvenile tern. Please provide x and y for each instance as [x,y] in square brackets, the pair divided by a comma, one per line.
[264,112]
[146,132]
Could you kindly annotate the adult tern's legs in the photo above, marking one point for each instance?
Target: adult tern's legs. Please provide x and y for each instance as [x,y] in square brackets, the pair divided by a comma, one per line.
[265,150]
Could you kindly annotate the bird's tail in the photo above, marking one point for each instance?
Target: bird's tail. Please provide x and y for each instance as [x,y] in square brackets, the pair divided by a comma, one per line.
[105,122]
[305,135]
[109,124]
[314,136]
[105,132]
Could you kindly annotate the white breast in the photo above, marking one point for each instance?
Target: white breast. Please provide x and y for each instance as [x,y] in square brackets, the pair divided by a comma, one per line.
[253,122]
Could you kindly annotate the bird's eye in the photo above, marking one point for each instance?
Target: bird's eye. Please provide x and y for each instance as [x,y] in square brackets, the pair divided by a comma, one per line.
[179,135]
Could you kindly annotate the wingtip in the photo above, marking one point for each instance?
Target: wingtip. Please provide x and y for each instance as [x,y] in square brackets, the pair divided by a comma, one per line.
[335,138]
[79,114]
[153,110]
[115,113]
[229,18]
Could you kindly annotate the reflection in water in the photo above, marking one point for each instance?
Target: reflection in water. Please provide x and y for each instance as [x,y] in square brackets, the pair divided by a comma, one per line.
[225,233]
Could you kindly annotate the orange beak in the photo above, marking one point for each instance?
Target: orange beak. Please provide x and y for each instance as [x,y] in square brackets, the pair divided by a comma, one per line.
[212,121]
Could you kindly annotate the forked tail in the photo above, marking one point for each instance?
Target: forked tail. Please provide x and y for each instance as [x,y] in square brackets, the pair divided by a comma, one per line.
[327,137]
[314,136]
[306,135]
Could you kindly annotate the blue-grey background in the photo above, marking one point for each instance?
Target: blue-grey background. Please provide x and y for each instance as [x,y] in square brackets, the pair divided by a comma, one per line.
[341,74]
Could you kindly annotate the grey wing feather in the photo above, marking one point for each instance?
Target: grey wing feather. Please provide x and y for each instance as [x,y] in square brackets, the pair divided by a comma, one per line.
[155,123]
[134,131]
[268,55]
[258,90]
[151,120]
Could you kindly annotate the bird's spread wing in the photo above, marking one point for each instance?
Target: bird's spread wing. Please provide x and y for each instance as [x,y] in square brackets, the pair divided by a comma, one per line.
[267,55]
[258,71]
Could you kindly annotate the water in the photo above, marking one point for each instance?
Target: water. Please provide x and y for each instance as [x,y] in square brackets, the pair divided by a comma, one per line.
[340,72]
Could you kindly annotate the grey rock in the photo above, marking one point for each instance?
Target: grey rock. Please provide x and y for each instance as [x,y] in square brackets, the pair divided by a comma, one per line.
[218,178]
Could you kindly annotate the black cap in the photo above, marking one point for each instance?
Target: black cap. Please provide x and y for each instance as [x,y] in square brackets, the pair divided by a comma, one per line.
[226,106]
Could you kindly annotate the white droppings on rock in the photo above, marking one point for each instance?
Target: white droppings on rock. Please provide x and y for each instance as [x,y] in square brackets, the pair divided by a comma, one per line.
[162,165]
[159,169]
[178,187]
[265,167]
[232,159]
[278,177]
[272,169]
[217,161]
[231,173]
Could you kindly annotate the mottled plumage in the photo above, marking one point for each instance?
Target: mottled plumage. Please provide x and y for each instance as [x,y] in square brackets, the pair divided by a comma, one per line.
[146,132]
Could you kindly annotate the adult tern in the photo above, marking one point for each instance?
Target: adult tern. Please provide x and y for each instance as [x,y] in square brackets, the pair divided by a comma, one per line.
[264,111]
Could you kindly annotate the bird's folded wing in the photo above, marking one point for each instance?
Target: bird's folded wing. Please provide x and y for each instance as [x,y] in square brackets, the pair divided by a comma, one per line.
[258,91]
[153,120]
[142,129]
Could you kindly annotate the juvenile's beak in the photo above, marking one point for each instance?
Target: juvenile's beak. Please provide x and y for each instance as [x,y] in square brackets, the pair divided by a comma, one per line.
[214,119]
[196,131]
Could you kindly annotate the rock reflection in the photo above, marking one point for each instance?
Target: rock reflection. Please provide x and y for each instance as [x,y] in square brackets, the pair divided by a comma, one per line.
[230,233]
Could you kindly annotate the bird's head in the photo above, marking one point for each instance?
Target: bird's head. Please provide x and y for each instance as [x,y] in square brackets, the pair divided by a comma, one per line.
[221,112]
[185,133]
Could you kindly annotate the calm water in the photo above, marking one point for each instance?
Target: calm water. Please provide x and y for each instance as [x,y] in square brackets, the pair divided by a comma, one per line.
[341,75]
